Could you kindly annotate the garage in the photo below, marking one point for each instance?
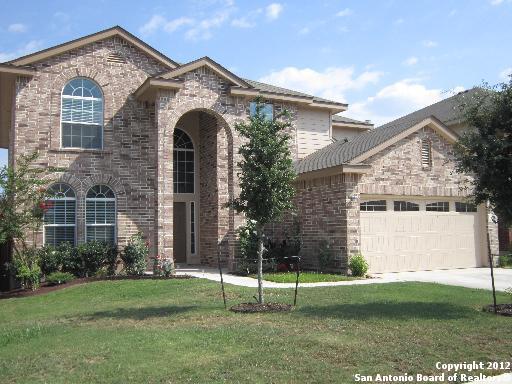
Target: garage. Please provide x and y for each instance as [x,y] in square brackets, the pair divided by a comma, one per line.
[414,235]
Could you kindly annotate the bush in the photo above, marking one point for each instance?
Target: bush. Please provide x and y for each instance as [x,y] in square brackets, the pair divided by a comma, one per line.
[57,278]
[358,265]
[135,254]
[26,268]
[325,257]
[50,259]
[92,256]
[506,260]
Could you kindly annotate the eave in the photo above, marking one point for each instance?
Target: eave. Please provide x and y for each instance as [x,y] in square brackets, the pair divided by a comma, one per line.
[147,91]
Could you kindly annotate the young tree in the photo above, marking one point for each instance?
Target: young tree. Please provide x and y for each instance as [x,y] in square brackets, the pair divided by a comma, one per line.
[486,151]
[266,174]
[22,200]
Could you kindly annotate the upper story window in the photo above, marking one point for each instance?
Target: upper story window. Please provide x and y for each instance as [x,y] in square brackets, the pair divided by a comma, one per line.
[438,206]
[426,153]
[402,206]
[267,110]
[464,207]
[100,214]
[60,215]
[82,114]
[370,206]
[183,161]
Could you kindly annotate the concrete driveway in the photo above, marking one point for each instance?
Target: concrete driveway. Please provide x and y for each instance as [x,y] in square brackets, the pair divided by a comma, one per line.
[467,277]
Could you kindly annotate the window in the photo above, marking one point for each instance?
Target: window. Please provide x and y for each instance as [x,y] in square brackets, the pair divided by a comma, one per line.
[183,157]
[464,207]
[192,228]
[377,205]
[402,206]
[426,153]
[439,206]
[100,214]
[82,114]
[267,110]
[60,215]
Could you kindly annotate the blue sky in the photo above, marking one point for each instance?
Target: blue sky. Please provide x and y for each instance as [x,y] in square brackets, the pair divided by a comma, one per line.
[385,58]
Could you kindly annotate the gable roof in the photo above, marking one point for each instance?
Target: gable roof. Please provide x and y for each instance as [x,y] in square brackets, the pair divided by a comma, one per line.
[110,32]
[438,115]
[213,65]
[343,121]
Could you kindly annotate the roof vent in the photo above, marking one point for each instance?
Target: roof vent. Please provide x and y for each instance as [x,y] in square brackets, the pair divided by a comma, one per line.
[116,57]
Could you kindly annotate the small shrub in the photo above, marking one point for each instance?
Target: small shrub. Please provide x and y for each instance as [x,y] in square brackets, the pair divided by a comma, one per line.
[162,267]
[358,265]
[93,255]
[506,260]
[57,278]
[26,268]
[325,256]
[50,259]
[135,254]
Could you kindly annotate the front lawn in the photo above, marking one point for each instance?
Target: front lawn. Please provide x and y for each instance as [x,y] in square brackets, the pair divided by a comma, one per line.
[168,331]
[304,277]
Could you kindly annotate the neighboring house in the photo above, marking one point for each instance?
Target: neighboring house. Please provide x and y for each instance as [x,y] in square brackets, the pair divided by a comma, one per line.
[149,145]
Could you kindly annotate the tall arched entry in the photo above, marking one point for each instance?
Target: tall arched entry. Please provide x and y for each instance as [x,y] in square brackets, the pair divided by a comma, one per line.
[203,224]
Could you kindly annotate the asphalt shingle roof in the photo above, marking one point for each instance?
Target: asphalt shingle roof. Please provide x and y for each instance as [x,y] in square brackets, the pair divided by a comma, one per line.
[341,152]
[348,120]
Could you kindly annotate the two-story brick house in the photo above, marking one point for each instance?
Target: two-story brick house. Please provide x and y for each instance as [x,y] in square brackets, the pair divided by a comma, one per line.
[149,145]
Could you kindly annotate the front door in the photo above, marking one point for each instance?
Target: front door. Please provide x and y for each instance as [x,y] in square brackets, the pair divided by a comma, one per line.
[180,232]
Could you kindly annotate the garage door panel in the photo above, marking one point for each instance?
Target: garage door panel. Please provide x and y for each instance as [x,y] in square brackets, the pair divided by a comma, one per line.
[420,240]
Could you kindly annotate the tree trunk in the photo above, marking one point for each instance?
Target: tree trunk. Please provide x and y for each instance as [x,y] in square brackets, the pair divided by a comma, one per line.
[259,234]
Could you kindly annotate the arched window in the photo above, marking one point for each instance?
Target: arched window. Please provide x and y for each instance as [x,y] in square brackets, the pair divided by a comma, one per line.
[60,215]
[82,114]
[183,157]
[100,214]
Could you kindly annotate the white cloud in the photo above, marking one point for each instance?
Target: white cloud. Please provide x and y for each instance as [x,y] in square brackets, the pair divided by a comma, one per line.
[304,31]
[344,12]
[30,47]
[496,2]
[396,100]
[17,28]
[202,30]
[413,60]
[399,21]
[429,43]
[242,22]
[506,73]
[159,22]
[331,83]
[273,11]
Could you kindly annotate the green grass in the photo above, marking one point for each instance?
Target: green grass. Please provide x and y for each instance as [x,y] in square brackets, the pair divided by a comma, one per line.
[161,331]
[304,277]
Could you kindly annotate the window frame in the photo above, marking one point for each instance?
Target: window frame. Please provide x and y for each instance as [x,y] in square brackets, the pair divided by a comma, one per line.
[62,122]
[252,110]
[437,203]
[174,168]
[74,225]
[408,205]
[473,207]
[373,206]
[114,199]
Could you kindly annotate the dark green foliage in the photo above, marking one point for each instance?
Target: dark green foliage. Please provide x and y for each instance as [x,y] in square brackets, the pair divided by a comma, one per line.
[135,254]
[94,255]
[56,278]
[26,268]
[486,152]
[506,260]
[325,256]
[358,265]
[50,259]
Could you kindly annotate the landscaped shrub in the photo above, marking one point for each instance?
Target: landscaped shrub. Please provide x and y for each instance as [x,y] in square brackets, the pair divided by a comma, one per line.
[56,278]
[248,248]
[50,259]
[92,256]
[135,254]
[26,268]
[325,256]
[358,265]
[506,260]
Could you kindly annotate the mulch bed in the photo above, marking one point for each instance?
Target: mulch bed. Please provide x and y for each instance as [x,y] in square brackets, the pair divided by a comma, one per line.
[502,309]
[46,288]
[256,307]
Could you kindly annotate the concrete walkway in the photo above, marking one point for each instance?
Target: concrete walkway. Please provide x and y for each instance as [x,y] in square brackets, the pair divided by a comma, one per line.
[470,278]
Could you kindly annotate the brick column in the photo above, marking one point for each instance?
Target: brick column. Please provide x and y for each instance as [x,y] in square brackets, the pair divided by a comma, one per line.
[165,199]
[352,217]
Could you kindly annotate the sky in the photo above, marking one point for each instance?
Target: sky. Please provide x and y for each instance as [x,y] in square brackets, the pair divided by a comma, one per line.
[385,58]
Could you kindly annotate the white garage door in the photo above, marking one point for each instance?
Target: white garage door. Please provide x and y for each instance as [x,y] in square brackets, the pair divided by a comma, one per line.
[419,235]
